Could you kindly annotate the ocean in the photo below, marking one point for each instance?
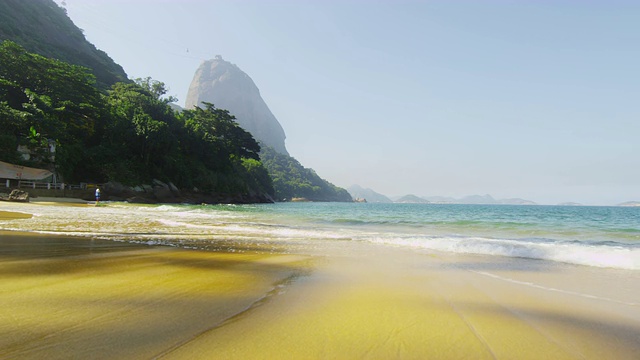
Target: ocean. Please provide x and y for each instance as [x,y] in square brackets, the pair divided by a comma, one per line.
[581,235]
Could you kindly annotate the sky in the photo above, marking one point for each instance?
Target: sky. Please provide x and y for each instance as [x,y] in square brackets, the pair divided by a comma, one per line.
[529,99]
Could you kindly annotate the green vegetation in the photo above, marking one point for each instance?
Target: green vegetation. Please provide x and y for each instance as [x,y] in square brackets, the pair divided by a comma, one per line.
[129,134]
[292,180]
[42,27]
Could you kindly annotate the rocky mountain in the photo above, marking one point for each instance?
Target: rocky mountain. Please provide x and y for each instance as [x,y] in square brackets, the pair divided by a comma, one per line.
[227,87]
[371,196]
[42,27]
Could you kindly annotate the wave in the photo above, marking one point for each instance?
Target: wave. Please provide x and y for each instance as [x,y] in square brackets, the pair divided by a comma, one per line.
[609,254]
[614,244]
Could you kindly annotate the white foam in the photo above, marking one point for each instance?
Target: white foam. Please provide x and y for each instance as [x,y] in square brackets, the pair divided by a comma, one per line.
[174,223]
[574,253]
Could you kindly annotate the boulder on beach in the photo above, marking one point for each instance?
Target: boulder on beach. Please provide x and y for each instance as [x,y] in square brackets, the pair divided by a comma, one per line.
[18,195]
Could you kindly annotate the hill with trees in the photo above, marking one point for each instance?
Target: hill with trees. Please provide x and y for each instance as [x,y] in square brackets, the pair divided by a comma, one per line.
[292,180]
[42,27]
[128,135]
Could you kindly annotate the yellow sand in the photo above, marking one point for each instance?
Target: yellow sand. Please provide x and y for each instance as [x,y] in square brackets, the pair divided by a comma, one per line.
[12,215]
[77,298]
[123,301]
[391,304]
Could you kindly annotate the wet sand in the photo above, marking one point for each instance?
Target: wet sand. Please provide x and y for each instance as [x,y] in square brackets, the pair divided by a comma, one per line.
[76,298]
[79,298]
[393,304]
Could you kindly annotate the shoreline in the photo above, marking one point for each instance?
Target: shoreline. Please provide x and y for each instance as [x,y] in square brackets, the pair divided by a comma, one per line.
[81,297]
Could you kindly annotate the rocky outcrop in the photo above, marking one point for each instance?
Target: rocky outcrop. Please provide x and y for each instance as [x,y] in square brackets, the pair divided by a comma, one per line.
[167,193]
[19,196]
[227,87]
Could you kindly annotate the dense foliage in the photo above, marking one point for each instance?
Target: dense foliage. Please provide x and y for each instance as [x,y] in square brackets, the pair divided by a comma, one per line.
[292,180]
[129,134]
[42,27]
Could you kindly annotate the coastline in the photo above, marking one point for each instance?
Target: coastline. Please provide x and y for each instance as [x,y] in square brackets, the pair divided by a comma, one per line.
[77,297]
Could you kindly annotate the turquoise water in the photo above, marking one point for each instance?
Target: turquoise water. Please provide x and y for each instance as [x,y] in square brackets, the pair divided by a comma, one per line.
[593,236]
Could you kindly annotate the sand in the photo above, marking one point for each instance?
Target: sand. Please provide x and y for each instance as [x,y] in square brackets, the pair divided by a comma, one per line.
[80,298]
[395,304]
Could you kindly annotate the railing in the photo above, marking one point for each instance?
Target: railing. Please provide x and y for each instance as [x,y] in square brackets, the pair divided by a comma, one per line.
[23,184]
[26,184]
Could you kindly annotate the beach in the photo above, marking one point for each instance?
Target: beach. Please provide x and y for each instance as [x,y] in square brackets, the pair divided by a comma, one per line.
[88,297]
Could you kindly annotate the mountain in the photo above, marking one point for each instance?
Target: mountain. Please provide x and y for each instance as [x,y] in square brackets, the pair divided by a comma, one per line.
[227,87]
[477,199]
[515,201]
[42,27]
[222,83]
[440,199]
[371,196]
[292,180]
[412,199]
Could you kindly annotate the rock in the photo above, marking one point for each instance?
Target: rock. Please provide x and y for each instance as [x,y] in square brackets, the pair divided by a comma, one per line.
[19,196]
[113,191]
[114,187]
[174,188]
[140,200]
[159,183]
[227,87]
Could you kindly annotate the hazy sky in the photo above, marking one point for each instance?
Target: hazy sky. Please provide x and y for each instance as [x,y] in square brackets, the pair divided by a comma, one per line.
[531,99]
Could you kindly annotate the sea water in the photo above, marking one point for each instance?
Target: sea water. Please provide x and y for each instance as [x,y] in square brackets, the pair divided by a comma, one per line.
[583,235]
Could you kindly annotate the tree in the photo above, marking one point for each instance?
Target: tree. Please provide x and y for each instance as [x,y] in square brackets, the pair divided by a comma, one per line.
[58,100]
[156,88]
[291,179]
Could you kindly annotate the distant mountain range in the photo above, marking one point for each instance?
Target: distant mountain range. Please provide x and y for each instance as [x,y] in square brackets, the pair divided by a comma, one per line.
[477,199]
[372,196]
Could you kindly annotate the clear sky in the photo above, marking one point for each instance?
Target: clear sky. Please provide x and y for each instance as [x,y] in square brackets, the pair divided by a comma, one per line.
[531,99]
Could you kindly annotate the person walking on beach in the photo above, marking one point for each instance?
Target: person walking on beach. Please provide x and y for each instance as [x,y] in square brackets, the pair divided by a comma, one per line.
[97,196]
